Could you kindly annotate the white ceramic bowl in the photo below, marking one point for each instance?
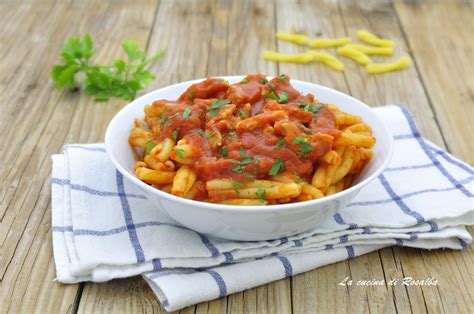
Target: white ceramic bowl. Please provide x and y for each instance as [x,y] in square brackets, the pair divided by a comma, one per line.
[247,222]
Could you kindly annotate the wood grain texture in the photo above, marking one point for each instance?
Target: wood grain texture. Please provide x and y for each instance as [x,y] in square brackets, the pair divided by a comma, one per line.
[36,121]
[223,37]
[444,53]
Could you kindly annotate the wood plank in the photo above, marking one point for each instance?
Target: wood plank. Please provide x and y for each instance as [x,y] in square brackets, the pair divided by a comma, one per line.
[187,46]
[46,117]
[444,54]
[318,289]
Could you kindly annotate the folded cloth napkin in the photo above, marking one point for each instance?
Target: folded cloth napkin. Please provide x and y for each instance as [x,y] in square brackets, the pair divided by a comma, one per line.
[104,227]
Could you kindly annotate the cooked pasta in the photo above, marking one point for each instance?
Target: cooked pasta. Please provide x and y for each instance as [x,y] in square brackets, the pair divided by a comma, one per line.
[255,142]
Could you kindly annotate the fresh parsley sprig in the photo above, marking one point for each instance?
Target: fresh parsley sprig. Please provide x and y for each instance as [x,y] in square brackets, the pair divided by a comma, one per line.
[121,79]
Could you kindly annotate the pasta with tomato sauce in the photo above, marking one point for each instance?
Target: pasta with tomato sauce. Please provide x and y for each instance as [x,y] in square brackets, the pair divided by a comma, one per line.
[255,142]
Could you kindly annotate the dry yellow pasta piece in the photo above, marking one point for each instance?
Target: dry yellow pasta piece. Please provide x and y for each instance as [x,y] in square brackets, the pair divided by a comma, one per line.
[371,39]
[377,68]
[183,181]
[298,39]
[156,177]
[329,42]
[243,201]
[355,139]
[370,50]
[282,57]
[327,59]
[354,54]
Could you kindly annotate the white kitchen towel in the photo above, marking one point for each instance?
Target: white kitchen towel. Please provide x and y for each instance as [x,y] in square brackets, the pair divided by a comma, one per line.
[104,227]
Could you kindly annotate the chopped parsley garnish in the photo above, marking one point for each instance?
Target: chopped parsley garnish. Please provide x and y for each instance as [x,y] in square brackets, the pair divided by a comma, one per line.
[191,94]
[186,113]
[224,151]
[175,134]
[247,175]
[245,80]
[282,97]
[310,108]
[149,147]
[245,159]
[237,184]
[277,166]
[263,81]
[260,193]
[166,120]
[208,135]
[199,131]
[305,148]
[242,113]
[179,152]
[280,143]
[282,77]
[232,135]
[216,105]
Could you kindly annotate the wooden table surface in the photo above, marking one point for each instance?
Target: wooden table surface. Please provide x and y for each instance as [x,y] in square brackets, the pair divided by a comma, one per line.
[223,37]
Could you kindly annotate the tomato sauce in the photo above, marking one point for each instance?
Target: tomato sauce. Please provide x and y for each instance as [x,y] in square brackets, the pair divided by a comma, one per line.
[245,130]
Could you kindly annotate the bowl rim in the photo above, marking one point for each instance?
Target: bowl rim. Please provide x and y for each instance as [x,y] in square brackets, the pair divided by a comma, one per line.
[240,208]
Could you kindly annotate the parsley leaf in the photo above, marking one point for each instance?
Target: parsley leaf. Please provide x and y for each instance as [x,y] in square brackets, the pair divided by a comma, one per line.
[191,94]
[281,98]
[120,79]
[245,80]
[237,184]
[216,105]
[175,134]
[277,166]
[280,143]
[186,113]
[242,113]
[310,108]
[149,147]
[224,151]
[261,194]
[282,77]
[305,148]
[179,152]
[263,81]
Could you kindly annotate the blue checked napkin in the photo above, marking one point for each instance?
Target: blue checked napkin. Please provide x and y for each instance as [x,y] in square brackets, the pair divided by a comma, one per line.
[104,227]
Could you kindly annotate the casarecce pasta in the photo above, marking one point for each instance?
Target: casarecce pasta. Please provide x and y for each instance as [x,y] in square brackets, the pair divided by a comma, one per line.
[255,142]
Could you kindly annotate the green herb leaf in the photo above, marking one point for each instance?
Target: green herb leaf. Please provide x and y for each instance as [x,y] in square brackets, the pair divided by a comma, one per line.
[277,166]
[216,105]
[261,194]
[305,148]
[179,152]
[281,98]
[245,80]
[186,113]
[224,151]
[175,134]
[191,94]
[280,143]
[120,79]
[242,113]
[149,147]
[282,77]
[237,184]
[263,81]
